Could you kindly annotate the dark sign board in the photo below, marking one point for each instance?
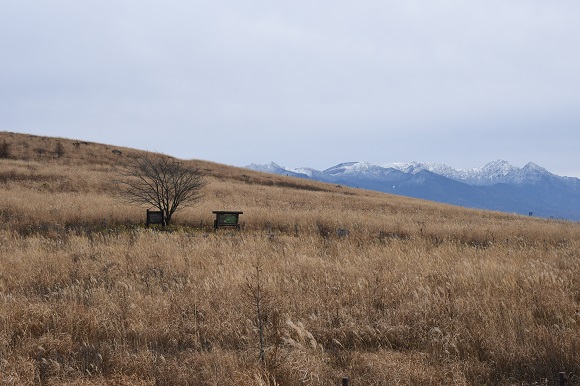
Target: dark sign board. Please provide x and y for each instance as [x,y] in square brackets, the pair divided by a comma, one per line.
[155,217]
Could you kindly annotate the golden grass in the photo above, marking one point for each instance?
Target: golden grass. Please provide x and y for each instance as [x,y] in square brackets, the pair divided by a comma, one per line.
[417,293]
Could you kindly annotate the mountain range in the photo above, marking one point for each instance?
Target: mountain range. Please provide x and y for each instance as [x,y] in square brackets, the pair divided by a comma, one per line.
[530,190]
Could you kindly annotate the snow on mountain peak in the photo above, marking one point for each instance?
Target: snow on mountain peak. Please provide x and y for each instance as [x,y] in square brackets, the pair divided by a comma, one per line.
[272,167]
[416,167]
[306,171]
[350,168]
[498,168]
[495,172]
[492,173]
[532,167]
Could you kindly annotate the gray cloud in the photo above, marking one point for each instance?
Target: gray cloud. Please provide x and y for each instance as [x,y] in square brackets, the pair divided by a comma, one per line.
[300,83]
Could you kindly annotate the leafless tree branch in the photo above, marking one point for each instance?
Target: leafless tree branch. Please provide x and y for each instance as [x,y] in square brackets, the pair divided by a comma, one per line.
[162,182]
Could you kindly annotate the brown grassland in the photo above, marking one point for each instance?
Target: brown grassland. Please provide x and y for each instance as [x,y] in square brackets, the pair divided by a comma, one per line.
[417,293]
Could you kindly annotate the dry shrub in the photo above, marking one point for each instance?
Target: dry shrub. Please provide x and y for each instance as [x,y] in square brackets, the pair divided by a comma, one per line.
[5,150]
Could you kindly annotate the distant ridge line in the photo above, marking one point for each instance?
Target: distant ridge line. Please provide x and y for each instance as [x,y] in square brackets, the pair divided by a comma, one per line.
[496,186]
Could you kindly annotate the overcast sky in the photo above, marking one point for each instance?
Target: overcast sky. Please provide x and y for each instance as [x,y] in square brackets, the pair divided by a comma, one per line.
[302,83]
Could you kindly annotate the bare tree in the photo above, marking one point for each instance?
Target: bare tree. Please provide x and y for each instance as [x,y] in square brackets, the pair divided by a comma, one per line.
[163,182]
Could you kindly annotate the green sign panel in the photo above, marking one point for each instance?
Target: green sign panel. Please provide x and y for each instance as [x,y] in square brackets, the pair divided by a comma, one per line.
[228,219]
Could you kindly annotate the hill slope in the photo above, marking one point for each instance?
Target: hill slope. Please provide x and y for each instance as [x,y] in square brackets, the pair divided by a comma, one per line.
[78,184]
[322,282]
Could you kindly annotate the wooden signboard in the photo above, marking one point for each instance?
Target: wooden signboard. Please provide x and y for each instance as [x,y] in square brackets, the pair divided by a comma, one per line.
[155,217]
[225,218]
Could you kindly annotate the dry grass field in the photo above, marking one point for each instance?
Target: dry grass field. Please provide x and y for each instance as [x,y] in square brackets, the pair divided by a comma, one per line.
[409,293]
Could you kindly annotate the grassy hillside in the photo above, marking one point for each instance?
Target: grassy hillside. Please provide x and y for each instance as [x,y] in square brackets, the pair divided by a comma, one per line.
[416,293]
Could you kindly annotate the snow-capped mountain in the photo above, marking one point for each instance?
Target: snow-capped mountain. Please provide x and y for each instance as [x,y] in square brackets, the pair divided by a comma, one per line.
[274,168]
[495,186]
[492,173]
[362,170]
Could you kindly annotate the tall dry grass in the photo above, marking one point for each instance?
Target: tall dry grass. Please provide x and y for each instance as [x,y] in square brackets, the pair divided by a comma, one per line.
[410,293]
